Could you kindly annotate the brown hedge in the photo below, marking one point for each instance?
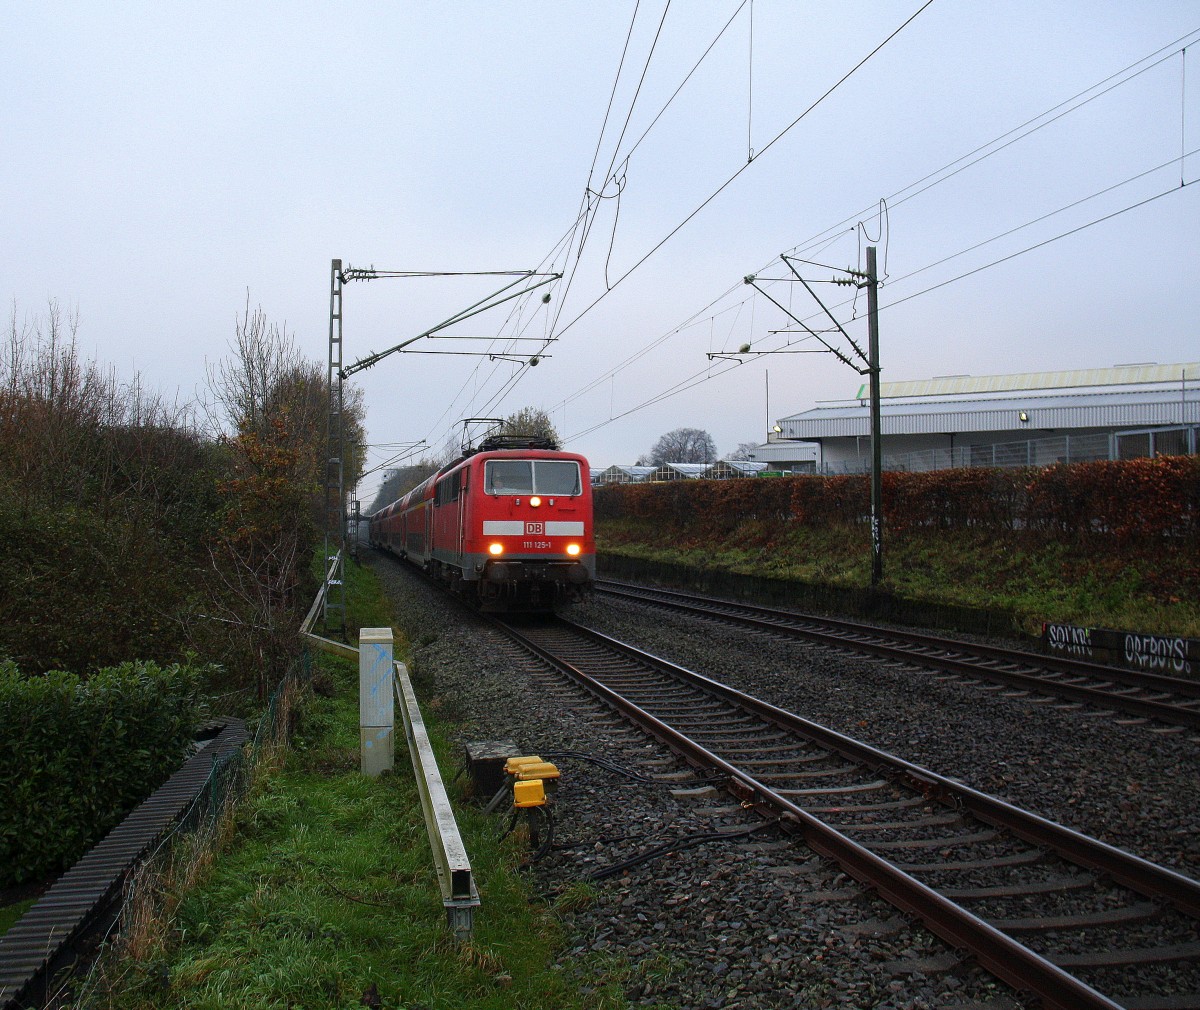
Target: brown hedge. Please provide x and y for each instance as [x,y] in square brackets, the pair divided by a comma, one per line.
[1128,499]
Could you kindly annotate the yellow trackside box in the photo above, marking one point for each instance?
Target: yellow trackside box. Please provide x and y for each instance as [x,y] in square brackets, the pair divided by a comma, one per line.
[545,771]
[514,765]
[528,793]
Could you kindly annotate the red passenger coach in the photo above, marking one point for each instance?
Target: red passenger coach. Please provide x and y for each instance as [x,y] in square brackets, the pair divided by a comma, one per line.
[508,525]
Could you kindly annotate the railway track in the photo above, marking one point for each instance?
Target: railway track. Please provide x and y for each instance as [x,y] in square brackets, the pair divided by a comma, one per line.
[1066,918]
[1172,702]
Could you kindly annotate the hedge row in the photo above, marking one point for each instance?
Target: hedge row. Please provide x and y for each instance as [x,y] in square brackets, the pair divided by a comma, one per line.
[78,755]
[1123,499]
[82,591]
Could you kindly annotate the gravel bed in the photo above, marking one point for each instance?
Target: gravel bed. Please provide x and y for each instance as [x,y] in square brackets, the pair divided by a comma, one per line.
[755,921]
[1113,779]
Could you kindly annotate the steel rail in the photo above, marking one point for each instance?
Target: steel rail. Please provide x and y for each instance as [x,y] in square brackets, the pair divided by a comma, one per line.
[1001,955]
[1045,661]
[946,654]
[1134,872]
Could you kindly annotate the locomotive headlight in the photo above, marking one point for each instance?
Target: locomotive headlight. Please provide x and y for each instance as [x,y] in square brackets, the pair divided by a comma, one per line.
[573,550]
[495,549]
[535,501]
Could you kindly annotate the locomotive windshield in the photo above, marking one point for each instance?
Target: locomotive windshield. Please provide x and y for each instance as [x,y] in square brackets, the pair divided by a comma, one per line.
[532,476]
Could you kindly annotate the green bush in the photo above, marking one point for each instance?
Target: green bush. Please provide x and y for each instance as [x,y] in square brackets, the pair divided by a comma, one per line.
[80,590]
[78,755]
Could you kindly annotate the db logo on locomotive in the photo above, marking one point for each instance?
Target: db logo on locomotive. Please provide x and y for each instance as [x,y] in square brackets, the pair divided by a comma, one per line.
[535,528]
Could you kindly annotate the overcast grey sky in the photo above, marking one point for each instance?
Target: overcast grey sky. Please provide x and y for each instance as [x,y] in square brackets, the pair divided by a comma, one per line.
[161,159]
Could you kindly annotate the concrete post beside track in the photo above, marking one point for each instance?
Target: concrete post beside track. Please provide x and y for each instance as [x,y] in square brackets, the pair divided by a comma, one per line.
[376,710]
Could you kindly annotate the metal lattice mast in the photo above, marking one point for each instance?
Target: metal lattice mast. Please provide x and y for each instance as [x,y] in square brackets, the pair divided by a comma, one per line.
[336,517]
[872,282]
[335,491]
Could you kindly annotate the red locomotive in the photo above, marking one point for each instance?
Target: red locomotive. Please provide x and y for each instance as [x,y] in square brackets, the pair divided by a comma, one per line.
[509,524]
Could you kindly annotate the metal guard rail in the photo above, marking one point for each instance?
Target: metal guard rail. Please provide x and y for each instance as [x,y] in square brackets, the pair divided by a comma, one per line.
[306,632]
[459,895]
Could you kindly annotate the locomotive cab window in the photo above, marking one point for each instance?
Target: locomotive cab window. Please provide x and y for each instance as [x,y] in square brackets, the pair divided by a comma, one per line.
[530,476]
[556,477]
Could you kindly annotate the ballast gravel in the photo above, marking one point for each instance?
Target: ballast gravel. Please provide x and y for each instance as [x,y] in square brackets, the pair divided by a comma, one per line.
[755,920]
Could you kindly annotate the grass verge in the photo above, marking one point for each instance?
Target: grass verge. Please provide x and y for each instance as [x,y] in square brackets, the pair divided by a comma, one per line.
[323,894]
[1133,588]
[11,913]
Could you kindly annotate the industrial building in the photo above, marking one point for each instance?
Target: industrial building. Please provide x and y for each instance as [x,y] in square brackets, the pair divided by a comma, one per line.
[1031,418]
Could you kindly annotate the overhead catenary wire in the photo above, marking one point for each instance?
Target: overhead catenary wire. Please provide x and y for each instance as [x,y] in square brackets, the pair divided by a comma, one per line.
[695,379]
[687,77]
[589,192]
[613,93]
[700,377]
[636,94]
[585,207]
[1021,227]
[624,160]
[398,458]
[750,92]
[558,333]
[696,317]
[1044,217]
[1012,136]
[728,182]
[1182,111]
[927,182]
[1038,245]
[565,242]
[571,267]
[555,332]
[825,238]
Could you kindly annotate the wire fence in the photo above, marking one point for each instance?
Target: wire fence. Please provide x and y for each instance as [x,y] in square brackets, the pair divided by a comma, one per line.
[1047,451]
[1183,440]
[152,890]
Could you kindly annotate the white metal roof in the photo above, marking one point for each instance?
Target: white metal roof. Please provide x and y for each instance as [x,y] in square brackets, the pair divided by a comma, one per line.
[1101,398]
[686,469]
[1054,411]
[618,474]
[1119,375]
[786,452]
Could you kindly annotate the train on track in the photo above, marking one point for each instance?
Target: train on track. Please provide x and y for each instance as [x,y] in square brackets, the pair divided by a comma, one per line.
[508,525]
